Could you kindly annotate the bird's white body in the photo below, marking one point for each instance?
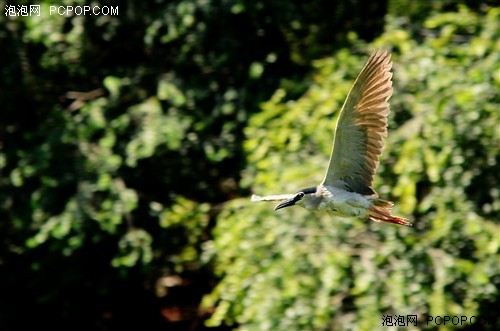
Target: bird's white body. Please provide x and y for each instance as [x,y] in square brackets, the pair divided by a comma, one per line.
[336,201]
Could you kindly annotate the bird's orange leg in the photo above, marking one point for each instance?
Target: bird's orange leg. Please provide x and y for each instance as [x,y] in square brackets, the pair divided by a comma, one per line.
[378,214]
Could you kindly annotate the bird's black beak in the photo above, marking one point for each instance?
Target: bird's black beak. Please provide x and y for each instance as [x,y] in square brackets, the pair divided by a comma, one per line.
[286,203]
[290,202]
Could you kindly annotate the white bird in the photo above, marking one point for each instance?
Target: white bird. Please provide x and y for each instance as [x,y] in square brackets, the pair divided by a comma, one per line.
[361,129]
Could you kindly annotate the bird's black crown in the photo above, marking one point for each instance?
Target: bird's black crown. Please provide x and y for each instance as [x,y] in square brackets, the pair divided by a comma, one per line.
[309,190]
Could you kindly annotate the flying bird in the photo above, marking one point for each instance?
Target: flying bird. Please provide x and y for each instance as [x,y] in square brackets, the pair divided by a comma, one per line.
[361,129]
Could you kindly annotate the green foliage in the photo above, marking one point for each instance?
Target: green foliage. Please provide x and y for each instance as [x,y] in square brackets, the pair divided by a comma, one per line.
[292,271]
[192,219]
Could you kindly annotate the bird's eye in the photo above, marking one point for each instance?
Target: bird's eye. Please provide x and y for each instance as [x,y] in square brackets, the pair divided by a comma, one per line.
[300,195]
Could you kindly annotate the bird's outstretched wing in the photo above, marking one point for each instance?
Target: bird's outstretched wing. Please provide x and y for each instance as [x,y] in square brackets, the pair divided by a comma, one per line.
[362,128]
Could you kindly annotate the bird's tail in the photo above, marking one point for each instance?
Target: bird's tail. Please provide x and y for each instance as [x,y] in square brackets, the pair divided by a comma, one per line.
[381,211]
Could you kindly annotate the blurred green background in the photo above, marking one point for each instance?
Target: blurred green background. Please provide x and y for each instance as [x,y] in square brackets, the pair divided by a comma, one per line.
[130,144]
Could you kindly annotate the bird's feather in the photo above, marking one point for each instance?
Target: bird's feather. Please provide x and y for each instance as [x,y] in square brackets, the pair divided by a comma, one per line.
[280,197]
[362,128]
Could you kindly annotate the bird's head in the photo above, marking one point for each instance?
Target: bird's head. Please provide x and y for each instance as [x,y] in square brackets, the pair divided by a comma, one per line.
[298,199]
